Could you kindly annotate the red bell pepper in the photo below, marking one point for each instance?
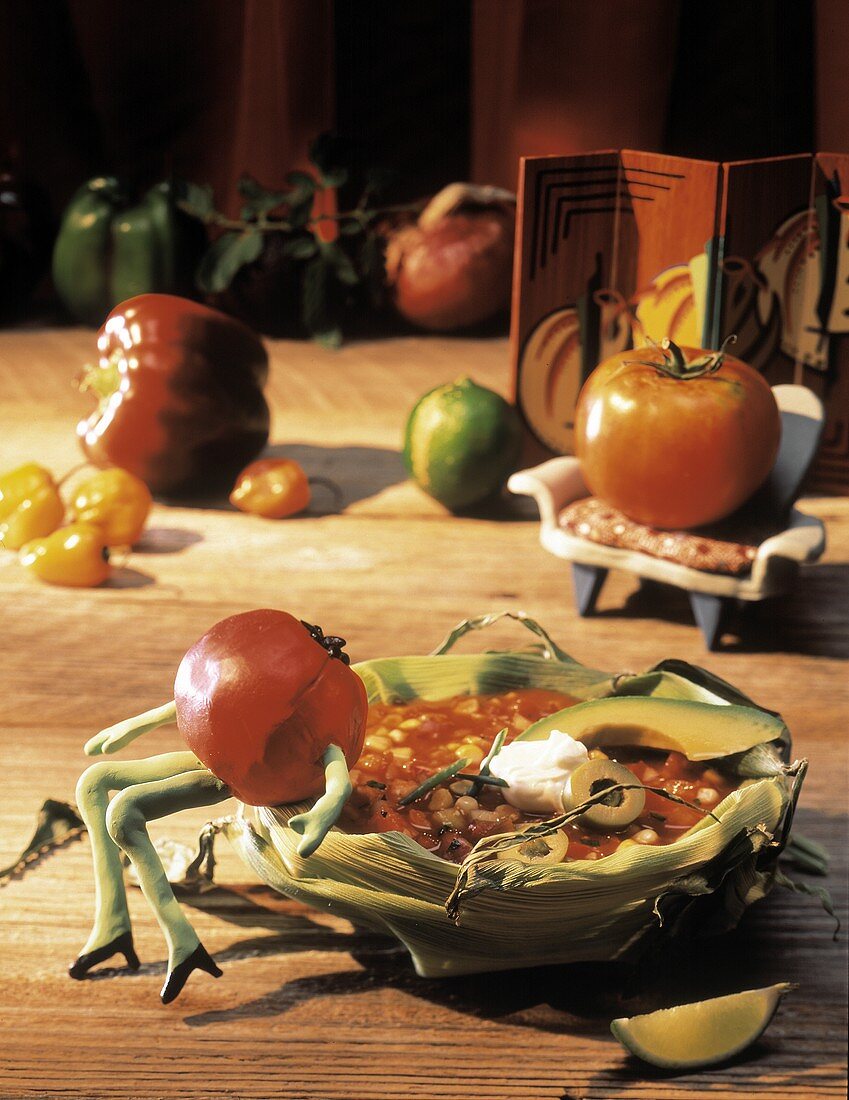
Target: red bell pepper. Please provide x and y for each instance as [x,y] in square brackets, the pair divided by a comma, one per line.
[180,396]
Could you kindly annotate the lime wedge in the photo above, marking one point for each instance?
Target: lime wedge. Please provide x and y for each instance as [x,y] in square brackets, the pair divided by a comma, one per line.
[703,1033]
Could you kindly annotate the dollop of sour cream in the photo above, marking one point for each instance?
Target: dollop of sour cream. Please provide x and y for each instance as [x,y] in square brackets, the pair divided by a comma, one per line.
[537,771]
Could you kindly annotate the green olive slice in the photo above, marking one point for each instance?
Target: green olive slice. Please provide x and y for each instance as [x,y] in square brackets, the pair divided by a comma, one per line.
[538,850]
[615,812]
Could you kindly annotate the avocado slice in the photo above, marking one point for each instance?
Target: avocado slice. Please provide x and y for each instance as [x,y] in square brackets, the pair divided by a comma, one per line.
[701,731]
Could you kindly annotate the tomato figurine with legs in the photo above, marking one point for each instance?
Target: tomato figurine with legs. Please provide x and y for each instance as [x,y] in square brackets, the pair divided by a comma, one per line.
[262,722]
[271,713]
[676,437]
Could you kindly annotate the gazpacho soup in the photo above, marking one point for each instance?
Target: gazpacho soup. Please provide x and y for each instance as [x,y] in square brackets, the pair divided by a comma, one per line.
[408,743]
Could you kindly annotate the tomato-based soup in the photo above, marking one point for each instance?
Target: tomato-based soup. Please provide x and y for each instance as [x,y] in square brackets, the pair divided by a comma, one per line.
[406,743]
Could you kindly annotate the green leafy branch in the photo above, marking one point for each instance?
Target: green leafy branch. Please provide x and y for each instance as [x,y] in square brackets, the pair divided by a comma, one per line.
[261,203]
[331,270]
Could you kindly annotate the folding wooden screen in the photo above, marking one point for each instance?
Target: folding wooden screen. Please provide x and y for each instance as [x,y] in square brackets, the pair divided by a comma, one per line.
[617,246]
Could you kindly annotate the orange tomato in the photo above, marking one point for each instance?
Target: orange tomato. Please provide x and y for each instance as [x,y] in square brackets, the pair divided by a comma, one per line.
[272,487]
[676,437]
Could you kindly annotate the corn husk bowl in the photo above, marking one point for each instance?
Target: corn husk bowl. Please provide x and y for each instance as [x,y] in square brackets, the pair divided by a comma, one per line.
[503,914]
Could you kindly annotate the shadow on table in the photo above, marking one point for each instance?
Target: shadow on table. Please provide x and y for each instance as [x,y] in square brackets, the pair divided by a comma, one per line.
[575,999]
[260,906]
[156,540]
[632,1070]
[256,905]
[166,540]
[126,577]
[360,472]
[812,619]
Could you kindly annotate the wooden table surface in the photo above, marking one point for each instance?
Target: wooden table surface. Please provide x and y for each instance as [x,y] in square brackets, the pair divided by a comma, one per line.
[308,1006]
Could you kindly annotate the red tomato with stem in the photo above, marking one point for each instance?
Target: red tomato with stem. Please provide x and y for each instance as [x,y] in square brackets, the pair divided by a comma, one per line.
[676,437]
[259,700]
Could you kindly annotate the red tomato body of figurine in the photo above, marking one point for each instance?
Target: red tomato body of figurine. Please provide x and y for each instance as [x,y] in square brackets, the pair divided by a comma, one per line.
[259,700]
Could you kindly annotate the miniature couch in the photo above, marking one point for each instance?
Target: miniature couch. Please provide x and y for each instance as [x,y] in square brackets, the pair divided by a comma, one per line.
[752,555]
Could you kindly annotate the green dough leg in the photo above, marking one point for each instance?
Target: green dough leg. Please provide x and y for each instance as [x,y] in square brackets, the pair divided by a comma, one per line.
[112,917]
[126,820]
[122,733]
[315,824]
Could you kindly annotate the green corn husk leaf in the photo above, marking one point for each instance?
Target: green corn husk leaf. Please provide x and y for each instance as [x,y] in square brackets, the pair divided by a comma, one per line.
[511,915]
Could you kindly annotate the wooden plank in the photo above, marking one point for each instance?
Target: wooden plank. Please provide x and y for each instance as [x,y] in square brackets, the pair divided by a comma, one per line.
[672,206]
[831,207]
[568,221]
[594,231]
[311,1008]
[691,250]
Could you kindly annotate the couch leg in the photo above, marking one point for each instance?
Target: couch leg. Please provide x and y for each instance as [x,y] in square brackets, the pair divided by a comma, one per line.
[711,614]
[587,580]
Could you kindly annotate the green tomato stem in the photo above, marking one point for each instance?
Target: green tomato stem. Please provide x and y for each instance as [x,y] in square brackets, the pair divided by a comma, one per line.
[676,365]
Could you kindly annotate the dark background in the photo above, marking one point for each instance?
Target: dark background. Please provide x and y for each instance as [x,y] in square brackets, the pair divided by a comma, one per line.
[438,89]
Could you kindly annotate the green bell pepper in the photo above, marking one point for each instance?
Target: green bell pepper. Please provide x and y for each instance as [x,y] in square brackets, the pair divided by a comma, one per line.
[110,249]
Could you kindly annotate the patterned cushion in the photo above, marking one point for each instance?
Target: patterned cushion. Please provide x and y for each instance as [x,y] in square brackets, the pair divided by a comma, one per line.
[709,550]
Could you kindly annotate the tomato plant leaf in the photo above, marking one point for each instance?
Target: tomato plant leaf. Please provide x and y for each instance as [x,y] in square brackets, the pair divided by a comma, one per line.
[332,155]
[335,177]
[372,267]
[259,200]
[303,185]
[315,306]
[319,304]
[197,201]
[330,337]
[300,248]
[339,260]
[225,257]
[371,256]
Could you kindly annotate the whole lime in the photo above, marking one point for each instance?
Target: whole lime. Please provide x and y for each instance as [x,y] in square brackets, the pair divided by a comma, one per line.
[461,442]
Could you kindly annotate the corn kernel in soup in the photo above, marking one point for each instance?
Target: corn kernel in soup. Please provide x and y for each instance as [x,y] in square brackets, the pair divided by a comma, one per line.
[408,743]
